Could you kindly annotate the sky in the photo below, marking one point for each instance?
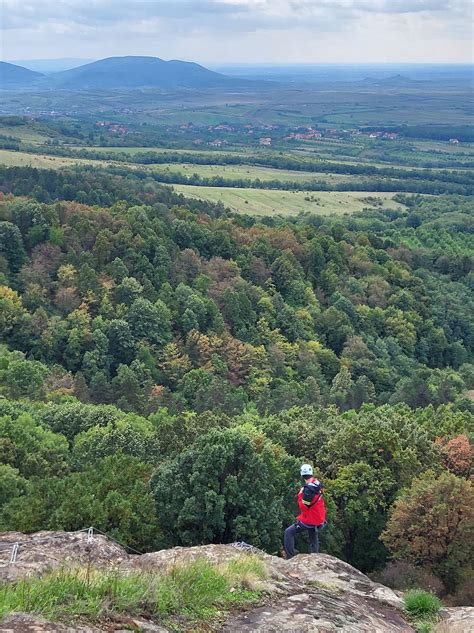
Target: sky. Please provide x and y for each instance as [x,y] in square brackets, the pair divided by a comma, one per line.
[241,31]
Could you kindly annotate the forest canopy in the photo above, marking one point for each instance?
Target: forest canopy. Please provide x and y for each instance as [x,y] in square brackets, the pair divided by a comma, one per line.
[147,338]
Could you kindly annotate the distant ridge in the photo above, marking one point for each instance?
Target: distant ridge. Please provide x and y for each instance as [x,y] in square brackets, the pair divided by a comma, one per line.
[139,72]
[395,80]
[48,66]
[13,76]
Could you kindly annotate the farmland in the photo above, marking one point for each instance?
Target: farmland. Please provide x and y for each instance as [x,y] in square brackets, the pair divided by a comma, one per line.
[43,161]
[271,202]
[249,172]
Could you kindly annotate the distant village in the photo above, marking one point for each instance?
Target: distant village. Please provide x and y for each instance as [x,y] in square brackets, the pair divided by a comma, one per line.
[268,134]
[265,135]
[224,134]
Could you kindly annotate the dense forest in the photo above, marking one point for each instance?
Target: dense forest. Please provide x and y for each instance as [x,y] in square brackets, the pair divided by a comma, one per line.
[166,364]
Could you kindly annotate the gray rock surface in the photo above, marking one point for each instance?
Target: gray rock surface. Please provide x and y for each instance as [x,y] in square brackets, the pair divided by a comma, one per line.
[456,620]
[49,550]
[166,558]
[323,569]
[320,611]
[25,623]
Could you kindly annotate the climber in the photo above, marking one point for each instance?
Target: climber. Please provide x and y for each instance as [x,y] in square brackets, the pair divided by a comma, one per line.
[313,513]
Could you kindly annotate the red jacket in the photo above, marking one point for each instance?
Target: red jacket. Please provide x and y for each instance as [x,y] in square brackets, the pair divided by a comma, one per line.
[315,513]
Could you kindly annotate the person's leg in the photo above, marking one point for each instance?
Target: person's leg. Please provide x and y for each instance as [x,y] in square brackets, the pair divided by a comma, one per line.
[289,540]
[313,540]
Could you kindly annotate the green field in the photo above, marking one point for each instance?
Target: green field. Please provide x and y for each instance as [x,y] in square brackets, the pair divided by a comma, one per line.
[252,172]
[274,202]
[161,150]
[27,134]
[448,148]
[23,159]
[247,172]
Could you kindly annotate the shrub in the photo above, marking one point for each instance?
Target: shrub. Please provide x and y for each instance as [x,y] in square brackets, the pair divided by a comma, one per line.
[421,604]
[464,595]
[402,575]
[431,524]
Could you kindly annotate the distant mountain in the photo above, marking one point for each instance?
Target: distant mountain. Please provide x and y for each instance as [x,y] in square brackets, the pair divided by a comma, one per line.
[13,76]
[51,65]
[140,72]
[395,80]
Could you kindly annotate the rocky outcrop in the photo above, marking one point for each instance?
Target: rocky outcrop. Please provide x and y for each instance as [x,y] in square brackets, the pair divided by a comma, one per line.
[24,623]
[456,620]
[166,558]
[310,593]
[317,611]
[328,572]
[49,550]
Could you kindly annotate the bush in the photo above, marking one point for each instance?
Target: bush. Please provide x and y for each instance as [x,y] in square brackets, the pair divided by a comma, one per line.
[402,576]
[464,595]
[431,524]
[421,604]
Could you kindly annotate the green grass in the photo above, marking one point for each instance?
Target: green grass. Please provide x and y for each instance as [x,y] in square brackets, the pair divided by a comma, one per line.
[276,202]
[444,146]
[423,609]
[161,150]
[252,172]
[423,626]
[196,592]
[26,133]
[23,159]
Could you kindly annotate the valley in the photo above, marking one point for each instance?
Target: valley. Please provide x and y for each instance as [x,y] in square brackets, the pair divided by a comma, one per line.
[212,282]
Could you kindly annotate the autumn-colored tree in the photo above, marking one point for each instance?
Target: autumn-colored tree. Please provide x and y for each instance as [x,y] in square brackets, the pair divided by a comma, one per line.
[432,524]
[459,456]
[12,312]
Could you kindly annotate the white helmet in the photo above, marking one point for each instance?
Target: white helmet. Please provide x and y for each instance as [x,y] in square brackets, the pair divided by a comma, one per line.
[306,469]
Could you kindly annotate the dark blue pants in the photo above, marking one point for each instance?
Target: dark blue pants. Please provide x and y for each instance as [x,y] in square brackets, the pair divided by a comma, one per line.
[297,528]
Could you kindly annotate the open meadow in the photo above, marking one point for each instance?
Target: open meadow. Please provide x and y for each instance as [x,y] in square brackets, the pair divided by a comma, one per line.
[275,202]
[43,161]
[250,172]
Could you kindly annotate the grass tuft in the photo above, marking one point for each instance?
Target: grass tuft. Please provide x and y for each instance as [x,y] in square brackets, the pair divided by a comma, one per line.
[196,591]
[422,605]
[423,626]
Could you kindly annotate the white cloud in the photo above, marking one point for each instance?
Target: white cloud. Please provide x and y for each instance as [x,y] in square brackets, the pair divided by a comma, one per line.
[240,30]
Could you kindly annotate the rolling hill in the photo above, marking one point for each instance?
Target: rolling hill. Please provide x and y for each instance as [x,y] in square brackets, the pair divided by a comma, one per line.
[13,76]
[139,72]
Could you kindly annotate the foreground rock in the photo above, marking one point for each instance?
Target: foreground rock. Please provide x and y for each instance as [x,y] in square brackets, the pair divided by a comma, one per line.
[329,572]
[24,623]
[320,611]
[457,620]
[310,593]
[50,550]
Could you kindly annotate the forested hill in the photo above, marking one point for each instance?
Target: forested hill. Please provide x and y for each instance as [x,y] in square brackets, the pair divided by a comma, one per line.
[153,301]
[139,72]
[13,76]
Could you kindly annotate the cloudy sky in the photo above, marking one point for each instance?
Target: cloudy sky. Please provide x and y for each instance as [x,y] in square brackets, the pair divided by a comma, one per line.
[222,31]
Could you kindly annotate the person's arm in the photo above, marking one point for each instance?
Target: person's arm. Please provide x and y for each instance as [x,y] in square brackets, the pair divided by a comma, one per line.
[301,505]
[312,492]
